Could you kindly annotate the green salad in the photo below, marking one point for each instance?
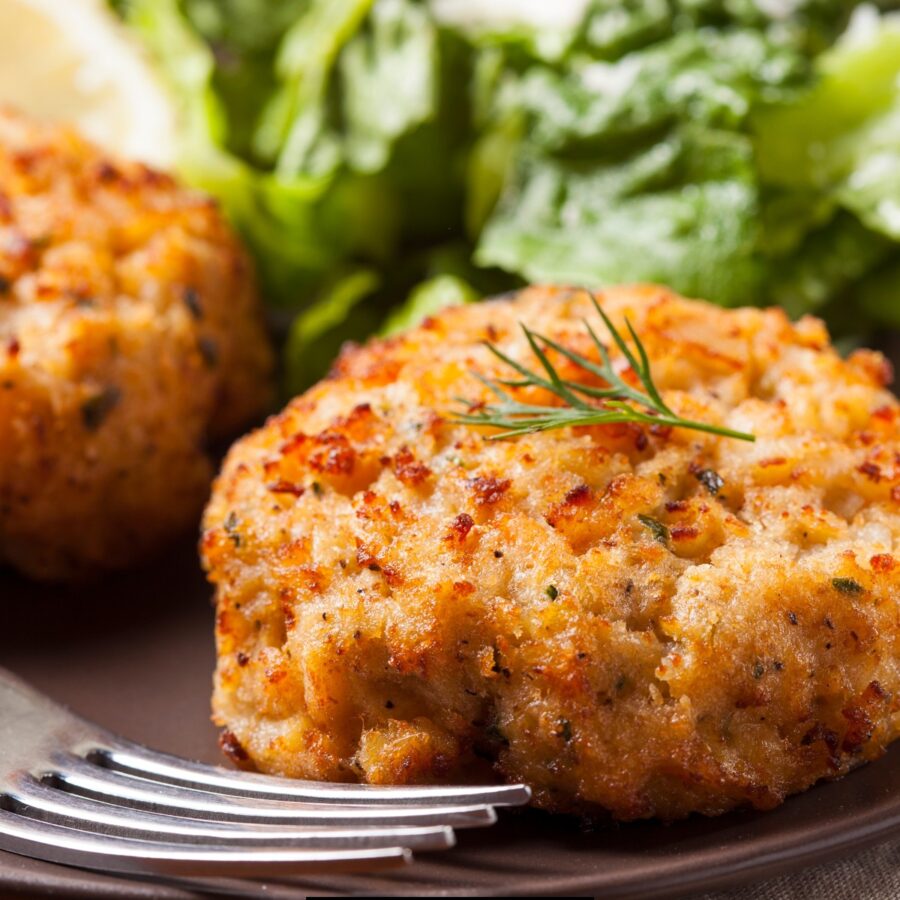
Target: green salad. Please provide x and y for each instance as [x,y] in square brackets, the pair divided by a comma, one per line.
[384,158]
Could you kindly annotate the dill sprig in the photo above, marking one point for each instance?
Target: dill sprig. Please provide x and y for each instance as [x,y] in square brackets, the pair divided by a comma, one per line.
[582,403]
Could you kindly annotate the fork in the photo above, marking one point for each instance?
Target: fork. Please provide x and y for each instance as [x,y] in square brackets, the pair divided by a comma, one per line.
[73,793]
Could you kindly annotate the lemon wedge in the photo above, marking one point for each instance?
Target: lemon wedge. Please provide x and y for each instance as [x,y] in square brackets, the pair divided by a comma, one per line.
[71,61]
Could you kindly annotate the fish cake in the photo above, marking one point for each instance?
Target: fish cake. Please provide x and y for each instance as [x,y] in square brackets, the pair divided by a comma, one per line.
[633,620]
[131,335]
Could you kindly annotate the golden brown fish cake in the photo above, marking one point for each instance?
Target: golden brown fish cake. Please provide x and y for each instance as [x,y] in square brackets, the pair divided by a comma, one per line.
[130,333]
[401,601]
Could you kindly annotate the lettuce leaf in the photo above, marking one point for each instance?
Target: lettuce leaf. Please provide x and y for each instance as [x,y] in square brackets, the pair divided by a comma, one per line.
[701,77]
[302,227]
[427,299]
[838,148]
[373,150]
[879,294]
[317,334]
[390,78]
[843,138]
[774,192]
[683,213]
[294,131]
[828,264]
[637,169]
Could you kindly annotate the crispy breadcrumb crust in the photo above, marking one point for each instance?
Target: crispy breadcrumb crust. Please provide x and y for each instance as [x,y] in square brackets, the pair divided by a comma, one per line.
[130,334]
[401,601]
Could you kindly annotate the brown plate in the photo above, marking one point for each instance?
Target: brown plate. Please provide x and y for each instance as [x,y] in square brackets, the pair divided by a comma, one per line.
[135,655]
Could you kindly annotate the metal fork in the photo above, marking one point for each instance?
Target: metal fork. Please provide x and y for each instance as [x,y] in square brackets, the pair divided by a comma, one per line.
[75,794]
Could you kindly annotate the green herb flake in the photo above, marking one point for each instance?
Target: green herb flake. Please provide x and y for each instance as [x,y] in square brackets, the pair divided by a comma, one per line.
[95,409]
[657,529]
[552,591]
[711,480]
[847,586]
[230,526]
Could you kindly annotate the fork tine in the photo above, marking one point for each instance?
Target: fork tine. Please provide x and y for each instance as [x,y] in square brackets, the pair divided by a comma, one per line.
[74,794]
[70,773]
[30,798]
[55,843]
[134,760]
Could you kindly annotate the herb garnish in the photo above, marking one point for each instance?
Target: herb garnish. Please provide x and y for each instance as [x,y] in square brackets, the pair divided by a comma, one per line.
[847,586]
[614,403]
[657,529]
